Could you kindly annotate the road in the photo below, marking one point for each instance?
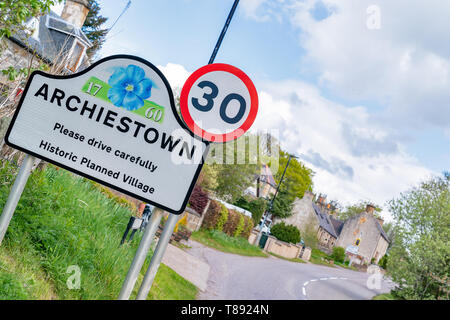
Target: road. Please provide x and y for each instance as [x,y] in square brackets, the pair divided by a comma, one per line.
[255,278]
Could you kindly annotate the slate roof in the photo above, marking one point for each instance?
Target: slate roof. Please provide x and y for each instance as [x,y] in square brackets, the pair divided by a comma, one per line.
[55,36]
[325,221]
[337,225]
[383,233]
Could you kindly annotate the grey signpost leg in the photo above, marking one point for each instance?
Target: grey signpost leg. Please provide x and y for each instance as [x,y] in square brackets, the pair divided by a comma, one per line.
[157,257]
[15,193]
[141,253]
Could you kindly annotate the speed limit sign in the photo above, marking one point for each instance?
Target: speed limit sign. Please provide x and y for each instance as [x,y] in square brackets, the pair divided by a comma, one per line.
[219,102]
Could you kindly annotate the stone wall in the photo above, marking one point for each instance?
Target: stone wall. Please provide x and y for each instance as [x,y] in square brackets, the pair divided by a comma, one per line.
[253,236]
[281,248]
[194,220]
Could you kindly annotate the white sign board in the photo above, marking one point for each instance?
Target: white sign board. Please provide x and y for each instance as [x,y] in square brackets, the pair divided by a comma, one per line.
[114,123]
[352,249]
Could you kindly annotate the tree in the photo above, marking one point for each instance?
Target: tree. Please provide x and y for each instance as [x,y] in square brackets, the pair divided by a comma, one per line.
[233,176]
[282,205]
[298,177]
[93,28]
[256,207]
[357,208]
[13,13]
[419,257]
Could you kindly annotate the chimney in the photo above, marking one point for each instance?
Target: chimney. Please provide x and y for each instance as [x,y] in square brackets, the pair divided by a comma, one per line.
[75,12]
[370,209]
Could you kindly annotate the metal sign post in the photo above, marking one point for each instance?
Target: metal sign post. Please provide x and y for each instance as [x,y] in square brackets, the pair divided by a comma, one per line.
[14,195]
[157,257]
[241,125]
[141,254]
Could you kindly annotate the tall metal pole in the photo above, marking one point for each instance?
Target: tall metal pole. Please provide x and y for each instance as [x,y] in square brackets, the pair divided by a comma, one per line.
[171,222]
[15,193]
[224,31]
[141,253]
[157,257]
[273,199]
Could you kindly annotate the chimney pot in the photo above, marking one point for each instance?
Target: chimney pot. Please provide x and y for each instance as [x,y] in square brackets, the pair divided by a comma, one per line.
[370,209]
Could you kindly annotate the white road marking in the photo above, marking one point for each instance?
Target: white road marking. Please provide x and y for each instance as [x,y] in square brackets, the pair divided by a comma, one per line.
[323,279]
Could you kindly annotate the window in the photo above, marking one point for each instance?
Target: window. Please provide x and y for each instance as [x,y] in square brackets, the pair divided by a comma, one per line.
[76,56]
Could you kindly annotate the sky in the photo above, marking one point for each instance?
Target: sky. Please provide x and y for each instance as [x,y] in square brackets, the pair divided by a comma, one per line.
[358,89]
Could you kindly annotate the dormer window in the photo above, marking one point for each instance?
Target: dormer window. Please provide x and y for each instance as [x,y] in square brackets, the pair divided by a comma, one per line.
[76,55]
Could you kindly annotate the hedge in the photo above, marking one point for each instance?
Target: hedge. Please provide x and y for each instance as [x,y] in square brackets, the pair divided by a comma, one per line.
[199,199]
[212,215]
[247,228]
[223,217]
[286,233]
[338,254]
[240,226]
[231,222]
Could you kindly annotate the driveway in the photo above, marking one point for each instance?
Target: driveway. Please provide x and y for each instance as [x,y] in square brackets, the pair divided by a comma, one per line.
[255,278]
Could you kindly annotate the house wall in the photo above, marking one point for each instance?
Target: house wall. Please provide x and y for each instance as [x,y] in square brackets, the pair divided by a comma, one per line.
[15,56]
[362,226]
[380,250]
[303,214]
[326,240]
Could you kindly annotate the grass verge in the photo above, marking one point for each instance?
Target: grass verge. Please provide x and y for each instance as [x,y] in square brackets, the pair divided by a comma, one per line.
[222,242]
[384,296]
[62,220]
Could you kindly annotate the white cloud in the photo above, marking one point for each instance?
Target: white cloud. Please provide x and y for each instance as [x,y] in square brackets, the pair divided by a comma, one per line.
[404,65]
[176,75]
[317,129]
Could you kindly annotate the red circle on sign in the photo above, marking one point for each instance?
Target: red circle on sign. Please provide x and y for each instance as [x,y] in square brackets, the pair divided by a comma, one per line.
[218,137]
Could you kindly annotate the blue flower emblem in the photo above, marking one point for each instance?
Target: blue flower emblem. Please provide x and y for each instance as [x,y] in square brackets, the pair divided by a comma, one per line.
[129,87]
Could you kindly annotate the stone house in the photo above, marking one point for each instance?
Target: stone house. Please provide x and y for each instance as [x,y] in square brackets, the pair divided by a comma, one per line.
[50,39]
[363,231]
[264,185]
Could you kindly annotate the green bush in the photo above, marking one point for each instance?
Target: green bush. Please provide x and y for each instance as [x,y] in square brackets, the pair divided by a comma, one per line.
[383,261]
[222,218]
[232,222]
[287,233]
[338,254]
[212,215]
[248,227]
[240,226]
[256,207]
